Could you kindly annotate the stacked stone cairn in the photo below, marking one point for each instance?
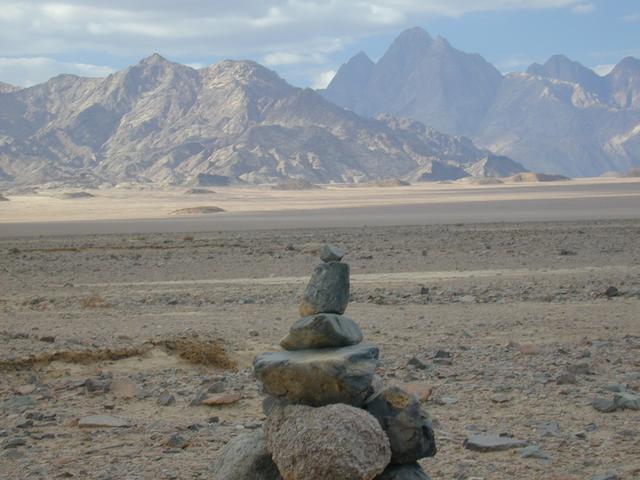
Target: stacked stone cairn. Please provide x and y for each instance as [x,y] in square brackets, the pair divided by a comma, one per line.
[328,415]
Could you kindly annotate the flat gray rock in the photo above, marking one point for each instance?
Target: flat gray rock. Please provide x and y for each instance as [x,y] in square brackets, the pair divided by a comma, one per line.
[324,330]
[335,442]
[102,421]
[603,405]
[411,471]
[492,443]
[319,377]
[626,401]
[246,457]
[407,426]
[327,290]
[331,253]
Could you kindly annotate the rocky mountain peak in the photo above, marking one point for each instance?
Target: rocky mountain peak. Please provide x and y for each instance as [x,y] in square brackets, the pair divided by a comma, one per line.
[6,88]
[560,67]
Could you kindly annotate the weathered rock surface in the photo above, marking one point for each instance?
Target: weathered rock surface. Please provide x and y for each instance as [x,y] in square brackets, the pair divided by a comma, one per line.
[411,471]
[102,421]
[492,443]
[331,253]
[319,377]
[335,442]
[327,291]
[407,426]
[246,457]
[324,330]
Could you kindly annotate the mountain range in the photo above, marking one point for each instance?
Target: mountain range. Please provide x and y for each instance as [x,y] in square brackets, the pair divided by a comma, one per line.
[235,121]
[560,117]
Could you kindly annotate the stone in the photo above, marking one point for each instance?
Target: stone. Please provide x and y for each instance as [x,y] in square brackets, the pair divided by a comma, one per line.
[221,399]
[411,471]
[417,363]
[14,443]
[324,330]
[626,401]
[177,441]
[334,442]
[603,405]
[567,378]
[606,476]
[534,451]
[327,291]
[331,253]
[492,443]
[102,421]
[319,377]
[611,292]
[166,399]
[246,457]
[407,426]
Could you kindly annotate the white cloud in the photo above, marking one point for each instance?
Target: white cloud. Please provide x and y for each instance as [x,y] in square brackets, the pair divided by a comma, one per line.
[323,79]
[604,69]
[25,72]
[632,17]
[583,8]
[284,32]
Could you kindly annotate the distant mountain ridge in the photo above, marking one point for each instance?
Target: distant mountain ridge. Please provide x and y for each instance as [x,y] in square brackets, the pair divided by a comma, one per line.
[235,121]
[560,117]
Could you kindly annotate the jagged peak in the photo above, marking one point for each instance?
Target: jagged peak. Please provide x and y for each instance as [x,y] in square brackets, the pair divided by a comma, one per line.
[627,64]
[154,59]
[413,35]
[360,58]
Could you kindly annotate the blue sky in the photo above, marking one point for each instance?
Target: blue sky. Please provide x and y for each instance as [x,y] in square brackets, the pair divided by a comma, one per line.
[303,40]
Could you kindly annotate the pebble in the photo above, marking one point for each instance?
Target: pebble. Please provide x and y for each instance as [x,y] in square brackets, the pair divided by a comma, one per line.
[102,421]
[166,399]
[534,451]
[492,443]
[221,399]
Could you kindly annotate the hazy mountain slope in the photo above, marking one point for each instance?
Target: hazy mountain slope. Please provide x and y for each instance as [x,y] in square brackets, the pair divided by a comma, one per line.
[6,88]
[346,85]
[166,123]
[560,117]
[425,79]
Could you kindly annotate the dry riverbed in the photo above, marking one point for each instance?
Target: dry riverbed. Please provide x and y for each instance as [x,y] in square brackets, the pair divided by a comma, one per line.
[501,328]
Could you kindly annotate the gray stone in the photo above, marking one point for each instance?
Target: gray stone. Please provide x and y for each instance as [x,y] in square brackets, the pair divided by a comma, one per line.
[14,443]
[407,426]
[324,330]
[331,253]
[412,471]
[166,399]
[626,401]
[327,291]
[102,421]
[606,476]
[246,457]
[335,442]
[319,377]
[615,387]
[534,451]
[492,443]
[177,441]
[603,405]
[567,378]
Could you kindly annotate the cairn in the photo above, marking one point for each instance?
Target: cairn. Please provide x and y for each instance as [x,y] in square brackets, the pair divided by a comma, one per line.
[328,415]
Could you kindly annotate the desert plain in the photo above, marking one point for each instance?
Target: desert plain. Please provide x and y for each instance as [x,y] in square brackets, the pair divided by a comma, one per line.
[507,309]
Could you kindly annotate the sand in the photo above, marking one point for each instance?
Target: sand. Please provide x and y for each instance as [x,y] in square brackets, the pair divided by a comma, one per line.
[516,305]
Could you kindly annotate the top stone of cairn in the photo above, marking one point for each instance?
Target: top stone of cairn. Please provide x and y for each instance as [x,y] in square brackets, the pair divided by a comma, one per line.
[331,253]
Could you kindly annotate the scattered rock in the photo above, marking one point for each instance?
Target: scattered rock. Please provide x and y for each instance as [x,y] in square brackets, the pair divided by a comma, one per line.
[606,476]
[14,443]
[412,471]
[331,253]
[246,457]
[419,364]
[567,378]
[48,339]
[319,377]
[534,451]
[492,443]
[102,421]
[197,210]
[347,443]
[221,399]
[611,292]
[626,401]
[324,330]
[407,426]
[327,291]
[177,441]
[603,405]
[166,399]
[125,389]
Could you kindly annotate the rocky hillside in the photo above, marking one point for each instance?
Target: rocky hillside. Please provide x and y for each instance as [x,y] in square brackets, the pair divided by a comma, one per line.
[235,121]
[560,117]
[6,88]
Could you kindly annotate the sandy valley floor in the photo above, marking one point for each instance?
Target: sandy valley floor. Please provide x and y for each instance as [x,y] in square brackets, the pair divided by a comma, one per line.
[107,324]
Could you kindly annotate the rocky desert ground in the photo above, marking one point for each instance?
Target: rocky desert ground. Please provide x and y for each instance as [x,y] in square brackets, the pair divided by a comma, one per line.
[129,356]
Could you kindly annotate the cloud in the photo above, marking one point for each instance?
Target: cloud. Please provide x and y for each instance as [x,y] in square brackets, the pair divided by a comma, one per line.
[26,72]
[323,79]
[632,17]
[583,8]
[292,32]
[605,69]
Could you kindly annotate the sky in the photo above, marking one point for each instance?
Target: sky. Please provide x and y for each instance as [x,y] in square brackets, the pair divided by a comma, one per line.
[305,41]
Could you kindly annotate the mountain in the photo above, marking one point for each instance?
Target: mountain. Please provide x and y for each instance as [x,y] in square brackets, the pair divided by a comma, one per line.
[421,78]
[236,121]
[6,88]
[559,117]
[348,80]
